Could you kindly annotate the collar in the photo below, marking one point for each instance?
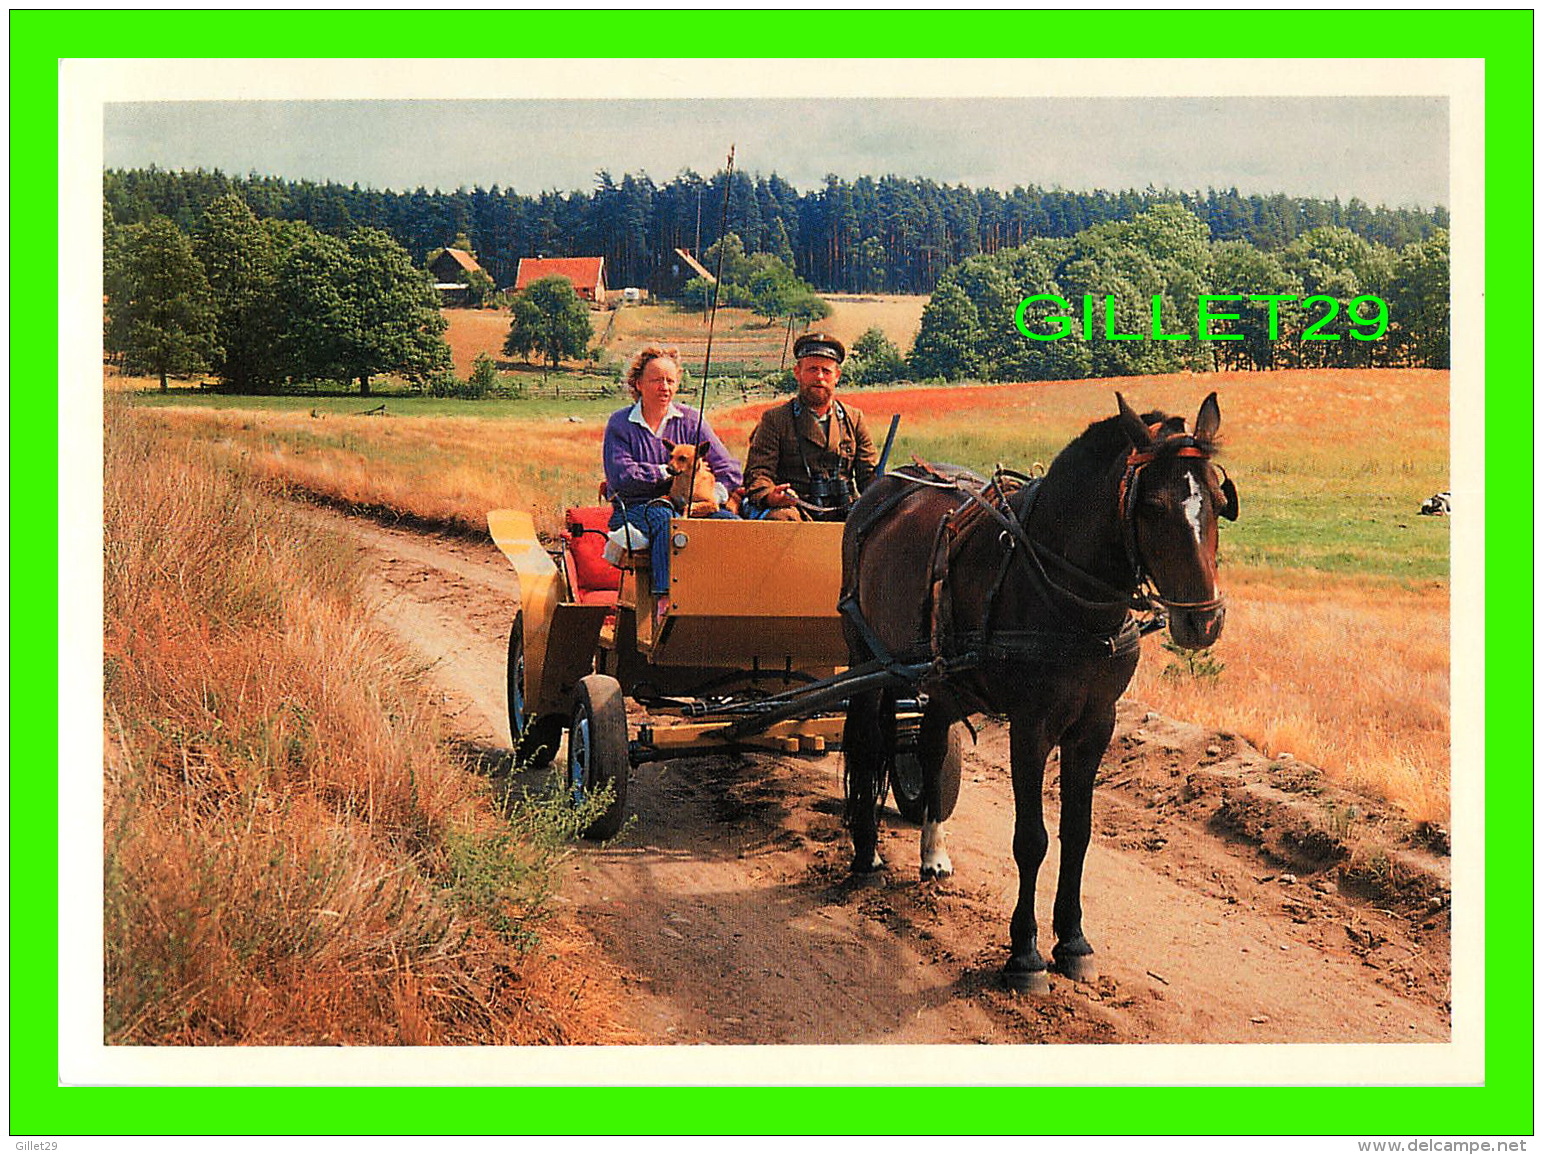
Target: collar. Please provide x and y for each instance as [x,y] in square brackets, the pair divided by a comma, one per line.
[835,410]
[636,416]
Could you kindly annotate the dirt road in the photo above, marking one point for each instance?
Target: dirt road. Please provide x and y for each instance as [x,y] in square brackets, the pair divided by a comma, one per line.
[1229,899]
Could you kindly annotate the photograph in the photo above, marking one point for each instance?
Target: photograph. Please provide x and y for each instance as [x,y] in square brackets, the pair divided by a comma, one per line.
[707,576]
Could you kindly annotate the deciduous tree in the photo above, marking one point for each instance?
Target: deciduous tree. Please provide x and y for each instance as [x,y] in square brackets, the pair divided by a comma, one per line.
[160,316]
[395,325]
[356,309]
[875,359]
[1420,301]
[550,321]
[948,344]
[242,267]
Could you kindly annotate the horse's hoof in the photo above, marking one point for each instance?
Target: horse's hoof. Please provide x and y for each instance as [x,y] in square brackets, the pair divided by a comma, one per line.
[1080,968]
[867,870]
[932,871]
[1026,982]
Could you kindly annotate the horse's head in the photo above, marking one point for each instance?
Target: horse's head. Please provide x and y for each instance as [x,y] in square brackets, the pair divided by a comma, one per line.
[1171,495]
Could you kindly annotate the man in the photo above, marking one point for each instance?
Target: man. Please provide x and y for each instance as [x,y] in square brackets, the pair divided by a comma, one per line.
[811,457]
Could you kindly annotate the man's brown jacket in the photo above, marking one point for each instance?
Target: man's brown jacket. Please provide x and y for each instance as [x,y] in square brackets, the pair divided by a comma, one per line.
[789,436]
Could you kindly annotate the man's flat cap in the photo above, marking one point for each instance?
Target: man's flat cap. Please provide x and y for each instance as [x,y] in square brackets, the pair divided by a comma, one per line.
[819,345]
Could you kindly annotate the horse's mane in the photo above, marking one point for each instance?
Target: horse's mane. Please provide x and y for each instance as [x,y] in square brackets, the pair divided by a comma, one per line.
[1106,441]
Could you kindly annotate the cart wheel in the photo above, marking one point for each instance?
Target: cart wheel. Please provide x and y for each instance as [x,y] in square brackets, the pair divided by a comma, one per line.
[535,739]
[597,751]
[905,773]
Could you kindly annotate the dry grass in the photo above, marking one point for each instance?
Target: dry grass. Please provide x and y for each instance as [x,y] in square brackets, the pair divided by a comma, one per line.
[474,331]
[291,855]
[115,381]
[450,470]
[740,338]
[1352,676]
[898,315]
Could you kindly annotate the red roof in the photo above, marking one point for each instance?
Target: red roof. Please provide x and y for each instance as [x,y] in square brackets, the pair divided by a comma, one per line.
[584,272]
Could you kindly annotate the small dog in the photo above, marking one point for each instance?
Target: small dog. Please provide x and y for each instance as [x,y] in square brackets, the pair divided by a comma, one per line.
[691,480]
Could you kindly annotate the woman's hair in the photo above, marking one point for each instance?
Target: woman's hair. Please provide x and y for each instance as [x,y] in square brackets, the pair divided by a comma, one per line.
[640,362]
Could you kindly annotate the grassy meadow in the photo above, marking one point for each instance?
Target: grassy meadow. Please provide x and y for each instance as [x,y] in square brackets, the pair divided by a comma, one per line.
[293,854]
[1337,641]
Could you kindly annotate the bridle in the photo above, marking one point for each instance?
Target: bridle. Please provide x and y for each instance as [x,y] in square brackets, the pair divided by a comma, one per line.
[1178,445]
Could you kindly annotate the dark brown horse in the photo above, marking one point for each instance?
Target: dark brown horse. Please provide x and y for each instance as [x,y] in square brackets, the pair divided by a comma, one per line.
[1020,597]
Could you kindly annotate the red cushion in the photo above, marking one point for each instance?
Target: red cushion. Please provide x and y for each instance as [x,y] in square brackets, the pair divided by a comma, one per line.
[585,533]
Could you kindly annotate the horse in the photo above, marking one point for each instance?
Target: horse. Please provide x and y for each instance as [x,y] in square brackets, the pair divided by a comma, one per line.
[1026,597]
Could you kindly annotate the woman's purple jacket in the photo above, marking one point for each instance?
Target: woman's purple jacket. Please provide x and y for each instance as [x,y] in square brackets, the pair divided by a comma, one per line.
[635,458]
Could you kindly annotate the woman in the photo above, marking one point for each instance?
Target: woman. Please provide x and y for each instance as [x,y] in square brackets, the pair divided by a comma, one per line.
[635,455]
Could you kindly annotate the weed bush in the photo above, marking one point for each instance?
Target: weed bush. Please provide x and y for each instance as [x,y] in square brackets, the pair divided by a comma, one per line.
[1194,665]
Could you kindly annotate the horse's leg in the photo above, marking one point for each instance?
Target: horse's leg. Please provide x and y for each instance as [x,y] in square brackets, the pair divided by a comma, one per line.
[1081,752]
[863,746]
[940,787]
[1025,965]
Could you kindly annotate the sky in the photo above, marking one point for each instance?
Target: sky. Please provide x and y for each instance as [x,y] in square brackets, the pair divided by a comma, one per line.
[1388,150]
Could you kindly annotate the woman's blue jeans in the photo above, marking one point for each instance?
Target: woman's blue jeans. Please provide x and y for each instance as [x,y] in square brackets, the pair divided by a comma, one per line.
[654,520]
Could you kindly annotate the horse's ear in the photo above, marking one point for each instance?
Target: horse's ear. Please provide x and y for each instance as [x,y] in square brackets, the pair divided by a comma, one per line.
[669,446]
[1135,428]
[703,448]
[1209,420]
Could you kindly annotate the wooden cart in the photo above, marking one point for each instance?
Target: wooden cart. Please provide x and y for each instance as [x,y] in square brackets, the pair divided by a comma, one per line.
[749,651]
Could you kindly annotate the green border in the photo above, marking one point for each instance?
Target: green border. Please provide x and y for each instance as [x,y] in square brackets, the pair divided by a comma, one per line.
[1502,1106]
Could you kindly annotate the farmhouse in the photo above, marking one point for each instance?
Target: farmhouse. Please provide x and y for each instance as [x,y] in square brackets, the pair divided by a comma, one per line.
[450,269]
[587,274]
[674,271]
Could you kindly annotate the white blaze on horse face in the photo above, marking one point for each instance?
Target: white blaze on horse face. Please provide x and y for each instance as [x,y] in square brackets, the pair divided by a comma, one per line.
[1193,504]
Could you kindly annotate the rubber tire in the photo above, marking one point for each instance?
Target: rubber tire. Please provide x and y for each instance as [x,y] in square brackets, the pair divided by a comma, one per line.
[535,739]
[905,776]
[597,750]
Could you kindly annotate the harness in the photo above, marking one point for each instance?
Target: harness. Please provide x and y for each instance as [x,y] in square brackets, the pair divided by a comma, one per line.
[1006,501]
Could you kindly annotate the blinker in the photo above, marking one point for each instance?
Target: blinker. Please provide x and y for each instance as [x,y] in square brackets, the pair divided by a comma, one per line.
[1230,492]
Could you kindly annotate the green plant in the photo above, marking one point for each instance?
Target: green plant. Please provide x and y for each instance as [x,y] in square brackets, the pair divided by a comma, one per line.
[445,383]
[1195,665]
[505,877]
[1341,820]
[781,381]
[483,379]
